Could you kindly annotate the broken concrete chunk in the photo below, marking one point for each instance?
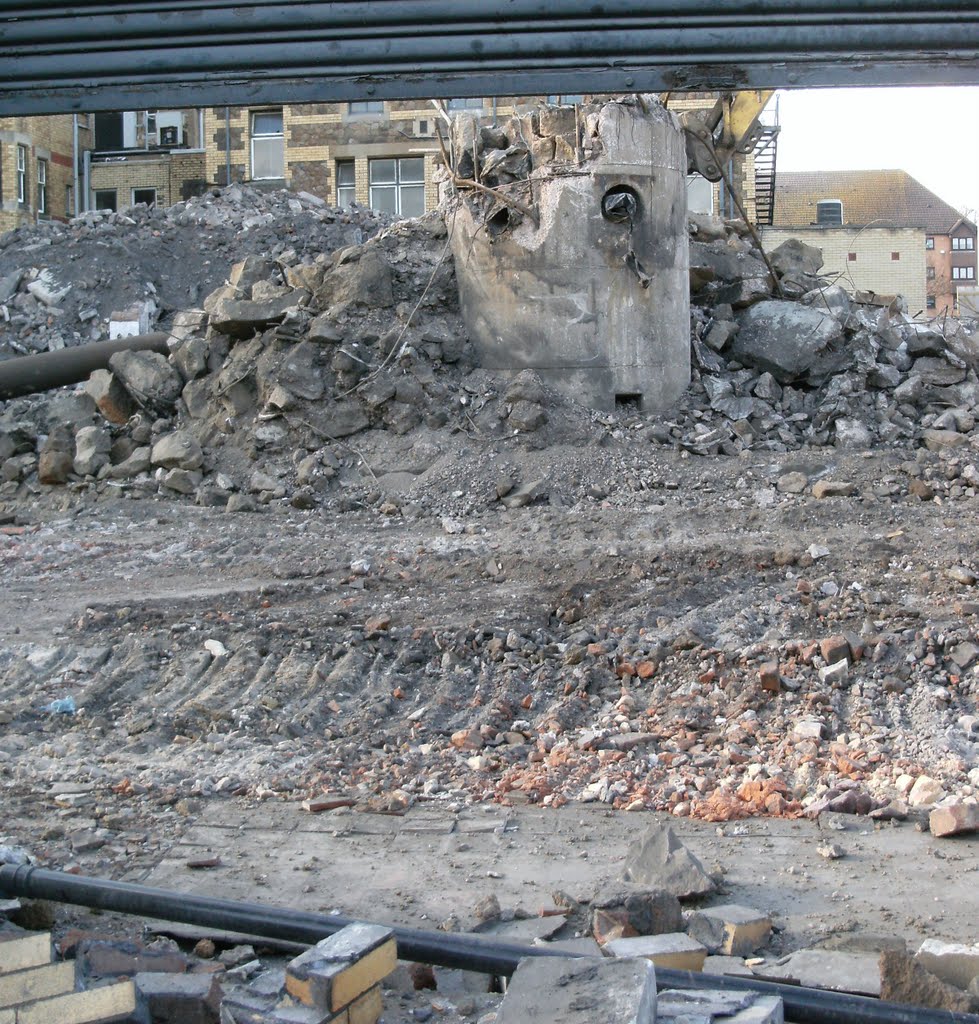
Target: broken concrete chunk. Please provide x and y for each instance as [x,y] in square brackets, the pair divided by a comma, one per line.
[904,979]
[240,318]
[675,950]
[178,450]
[148,377]
[925,791]
[559,990]
[794,259]
[249,272]
[731,929]
[952,962]
[619,915]
[367,281]
[92,446]
[339,969]
[953,818]
[790,342]
[110,397]
[659,860]
[676,1006]
[817,968]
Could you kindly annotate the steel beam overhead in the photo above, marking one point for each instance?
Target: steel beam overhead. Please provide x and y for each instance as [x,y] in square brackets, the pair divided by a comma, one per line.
[94,55]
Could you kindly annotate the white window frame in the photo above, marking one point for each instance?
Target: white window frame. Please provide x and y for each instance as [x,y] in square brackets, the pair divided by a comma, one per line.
[963,243]
[963,273]
[398,184]
[828,204]
[347,190]
[21,174]
[144,188]
[466,103]
[263,138]
[42,186]
[364,108]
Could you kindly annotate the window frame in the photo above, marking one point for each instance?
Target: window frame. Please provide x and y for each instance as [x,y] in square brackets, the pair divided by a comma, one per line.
[963,273]
[824,205]
[105,191]
[21,165]
[398,183]
[930,242]
[345,187]
[968,244]
[265,137]
[42,187]
[459,103]
[144,188]
[365,108]
[931,302]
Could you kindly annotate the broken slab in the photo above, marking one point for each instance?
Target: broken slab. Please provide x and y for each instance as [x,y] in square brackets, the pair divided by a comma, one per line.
[952,962]
[904,980]
[731,929]
[658,859]
[560,990]
[684,1006]
[953,818]
[857,973]
[677,950]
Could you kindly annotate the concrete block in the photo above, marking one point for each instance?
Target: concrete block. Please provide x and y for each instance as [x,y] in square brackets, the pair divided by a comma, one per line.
[109,958]
[96,1006]
[682,1006]
[925,791]
[366,1009]
[732,930]
[36,983]
[338,969]
[180,998]
[559,990]
[858,973]
[675,950]
[732,966]
[25,951]
[951,961]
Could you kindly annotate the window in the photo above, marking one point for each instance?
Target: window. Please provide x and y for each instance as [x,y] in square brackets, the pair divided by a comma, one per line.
[851,257]
[366,107]
[398,186]
[42,187]
[895,256]
[468,103]
[566,99]
[144,195]
[346,182]
[929,242]
[151,122]
[829,211]
[268,145]
[21,174]
[963,244]
[930,302]
[105,199]
[930,273]
[963,273]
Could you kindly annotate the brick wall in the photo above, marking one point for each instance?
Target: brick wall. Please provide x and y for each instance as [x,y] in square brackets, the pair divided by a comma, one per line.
[874,268]
[44,138]
[174,176]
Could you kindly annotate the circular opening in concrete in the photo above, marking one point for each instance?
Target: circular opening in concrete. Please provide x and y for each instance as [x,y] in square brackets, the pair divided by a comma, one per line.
[621,205]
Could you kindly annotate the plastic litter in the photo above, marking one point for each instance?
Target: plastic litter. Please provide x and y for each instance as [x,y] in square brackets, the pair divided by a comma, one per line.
[64,706]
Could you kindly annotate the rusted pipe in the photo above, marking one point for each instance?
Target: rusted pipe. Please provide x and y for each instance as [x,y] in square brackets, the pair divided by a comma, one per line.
[30,374]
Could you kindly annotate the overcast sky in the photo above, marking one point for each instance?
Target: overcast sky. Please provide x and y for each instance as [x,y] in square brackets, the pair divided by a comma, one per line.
[931,133]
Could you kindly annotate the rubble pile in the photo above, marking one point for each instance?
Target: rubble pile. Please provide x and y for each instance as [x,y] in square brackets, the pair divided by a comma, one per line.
[60,283]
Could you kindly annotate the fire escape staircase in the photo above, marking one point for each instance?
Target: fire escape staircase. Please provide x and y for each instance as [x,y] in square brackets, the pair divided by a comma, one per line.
[765,151]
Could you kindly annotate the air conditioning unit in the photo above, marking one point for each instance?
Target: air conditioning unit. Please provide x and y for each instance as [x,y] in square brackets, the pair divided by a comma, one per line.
[424,128]
[170,135]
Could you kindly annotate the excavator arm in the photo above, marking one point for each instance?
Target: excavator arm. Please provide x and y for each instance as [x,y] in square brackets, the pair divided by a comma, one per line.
[730,126]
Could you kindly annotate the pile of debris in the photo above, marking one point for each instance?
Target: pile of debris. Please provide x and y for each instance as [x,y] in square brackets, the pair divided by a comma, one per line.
[60,284]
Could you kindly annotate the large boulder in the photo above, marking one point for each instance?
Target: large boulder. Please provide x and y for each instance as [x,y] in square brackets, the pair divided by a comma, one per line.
[659,860]
[92,446]
[148,377]
[365,279]
[795,260]
[178,450]
[792,342]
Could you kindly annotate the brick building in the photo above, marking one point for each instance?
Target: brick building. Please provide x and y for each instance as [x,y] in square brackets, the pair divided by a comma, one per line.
[37,169]
[872,213]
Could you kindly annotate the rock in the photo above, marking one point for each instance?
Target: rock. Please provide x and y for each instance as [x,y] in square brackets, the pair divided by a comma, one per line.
[138,462]
[48,291]
[526,416]
[523,495]
[905,980]
[148,378]
[790,342]
[92,446]
[731,929]
[954,817]
[559,990]
[526,387]
[794,259]
[55,459]
[299,372]
[675,950]
[623,914]
[941,440]
[364,278]
[241,318]
[178,450]
[792,483]
[854,434]
[659,860]
[832,851]
[248,272]
[833,489]
[336,419]
[951,962]
[925,791]
[180,998]
[190,358]
[964,654]
[111,398]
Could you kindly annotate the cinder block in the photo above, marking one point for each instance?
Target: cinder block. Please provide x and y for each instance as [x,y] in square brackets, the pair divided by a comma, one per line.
[571,990]
[951,961]
[180,998]
[26,951]
[339,969]
[101,1005]
[730,929]
[36,983]
[674,950]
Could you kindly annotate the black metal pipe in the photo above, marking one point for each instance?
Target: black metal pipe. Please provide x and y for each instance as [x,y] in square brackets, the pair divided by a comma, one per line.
[27,375]
[444,949]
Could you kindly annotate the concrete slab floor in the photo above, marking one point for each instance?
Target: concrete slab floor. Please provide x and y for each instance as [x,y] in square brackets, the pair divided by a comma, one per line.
[420,868]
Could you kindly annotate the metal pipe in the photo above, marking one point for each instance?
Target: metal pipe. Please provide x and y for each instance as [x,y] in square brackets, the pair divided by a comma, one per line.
[444,949]
[29,374]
